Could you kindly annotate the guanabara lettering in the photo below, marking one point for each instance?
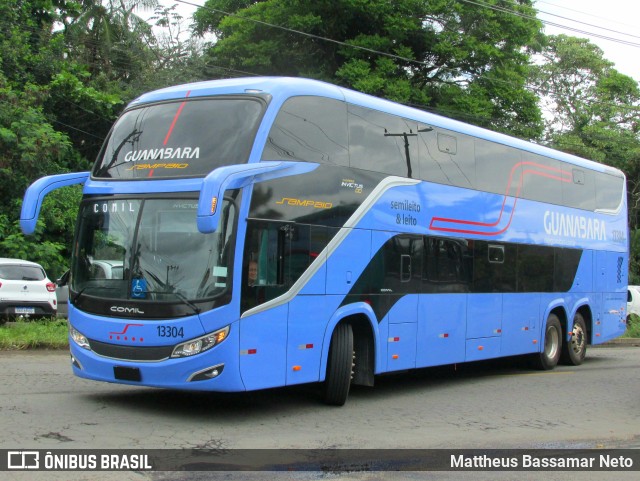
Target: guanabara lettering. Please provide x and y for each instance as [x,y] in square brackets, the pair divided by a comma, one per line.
[165,153]
[574,226]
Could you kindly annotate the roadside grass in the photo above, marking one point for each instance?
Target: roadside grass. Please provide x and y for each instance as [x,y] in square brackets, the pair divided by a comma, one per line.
[633,327]
[33,334]
[48,334]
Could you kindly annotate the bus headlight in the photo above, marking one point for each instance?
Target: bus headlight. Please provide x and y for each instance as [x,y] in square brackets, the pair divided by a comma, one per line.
[79,338]
[200,344]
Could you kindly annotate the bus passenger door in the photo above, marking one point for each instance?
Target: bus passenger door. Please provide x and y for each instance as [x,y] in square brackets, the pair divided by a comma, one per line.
[265,276]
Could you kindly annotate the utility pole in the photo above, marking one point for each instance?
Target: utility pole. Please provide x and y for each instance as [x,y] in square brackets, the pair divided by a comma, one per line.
[405,136]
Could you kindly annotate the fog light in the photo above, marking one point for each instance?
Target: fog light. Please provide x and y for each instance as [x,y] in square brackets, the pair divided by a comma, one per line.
[75,362]
[206,374]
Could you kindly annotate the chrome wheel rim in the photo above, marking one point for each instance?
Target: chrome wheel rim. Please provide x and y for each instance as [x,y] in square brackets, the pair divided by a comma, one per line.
[578,339]
[551,343]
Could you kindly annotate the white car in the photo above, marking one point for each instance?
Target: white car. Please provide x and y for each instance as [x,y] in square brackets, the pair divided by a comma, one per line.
[25,290]
[633,301]
[104,269]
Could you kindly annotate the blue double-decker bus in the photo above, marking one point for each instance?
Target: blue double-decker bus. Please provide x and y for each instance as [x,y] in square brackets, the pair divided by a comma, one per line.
[244,234]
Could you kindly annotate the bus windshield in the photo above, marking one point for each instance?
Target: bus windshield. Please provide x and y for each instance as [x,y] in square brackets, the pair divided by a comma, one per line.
[151,250]
[185,138]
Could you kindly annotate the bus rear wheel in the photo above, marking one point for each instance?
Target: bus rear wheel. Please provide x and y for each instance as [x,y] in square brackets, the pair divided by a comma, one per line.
[574,351]
[550,355]
[339,366]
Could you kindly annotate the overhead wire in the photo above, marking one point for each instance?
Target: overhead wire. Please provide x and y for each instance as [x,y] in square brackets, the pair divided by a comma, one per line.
[585,14]
[349,45]
[554,24]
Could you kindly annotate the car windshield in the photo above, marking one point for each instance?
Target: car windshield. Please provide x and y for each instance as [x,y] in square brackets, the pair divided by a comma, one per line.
[150,250]
[21,273]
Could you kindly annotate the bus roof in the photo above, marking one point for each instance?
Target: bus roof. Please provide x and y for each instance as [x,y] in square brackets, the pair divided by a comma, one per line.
[281,88]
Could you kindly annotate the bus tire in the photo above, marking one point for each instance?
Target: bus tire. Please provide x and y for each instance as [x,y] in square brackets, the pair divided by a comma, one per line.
[339,366]
[574,351]
[550,355]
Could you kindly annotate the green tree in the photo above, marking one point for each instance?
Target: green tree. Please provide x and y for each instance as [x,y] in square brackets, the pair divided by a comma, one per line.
[592,111]
[177,54]
[67,67]
[33,141]
[465,59]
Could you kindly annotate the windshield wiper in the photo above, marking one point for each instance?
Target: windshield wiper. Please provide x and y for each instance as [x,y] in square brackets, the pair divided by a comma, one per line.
[81,291]
[182,297]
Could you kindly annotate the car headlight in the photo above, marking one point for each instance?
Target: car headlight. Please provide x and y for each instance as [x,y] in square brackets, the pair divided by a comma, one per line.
[200,344]
[79,338]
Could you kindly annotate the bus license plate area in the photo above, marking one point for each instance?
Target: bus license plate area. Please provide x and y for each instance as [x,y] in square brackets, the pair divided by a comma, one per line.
[124,373]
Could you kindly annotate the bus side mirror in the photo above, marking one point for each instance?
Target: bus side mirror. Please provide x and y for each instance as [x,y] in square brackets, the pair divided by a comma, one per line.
[33,197]
[235,177]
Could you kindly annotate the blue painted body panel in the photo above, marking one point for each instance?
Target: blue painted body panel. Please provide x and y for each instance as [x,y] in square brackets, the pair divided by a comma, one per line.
[419,330]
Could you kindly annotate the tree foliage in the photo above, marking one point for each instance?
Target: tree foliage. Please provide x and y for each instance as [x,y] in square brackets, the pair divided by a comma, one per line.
[458,57]
[68,67]
[593,111]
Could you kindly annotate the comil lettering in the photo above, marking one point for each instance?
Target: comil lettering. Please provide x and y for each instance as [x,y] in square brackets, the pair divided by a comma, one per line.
[165,153]
[574,226]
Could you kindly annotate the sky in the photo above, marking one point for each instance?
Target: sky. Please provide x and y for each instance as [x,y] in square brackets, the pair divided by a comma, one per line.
[616,16]
[605,18]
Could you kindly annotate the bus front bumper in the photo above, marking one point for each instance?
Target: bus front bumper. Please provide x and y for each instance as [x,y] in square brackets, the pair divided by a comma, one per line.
[214,370]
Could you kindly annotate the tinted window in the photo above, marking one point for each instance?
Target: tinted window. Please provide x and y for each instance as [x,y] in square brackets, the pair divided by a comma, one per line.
[377,142]
[608,191]
[446,157]
[579,189]
[447,266]
[543,179]
[310,129]
[498,168]
[535,268]
[402,261]
[180,139]
[494,267]
[22,273]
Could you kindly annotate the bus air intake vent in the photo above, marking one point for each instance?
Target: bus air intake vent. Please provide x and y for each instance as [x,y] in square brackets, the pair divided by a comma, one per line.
[131,353]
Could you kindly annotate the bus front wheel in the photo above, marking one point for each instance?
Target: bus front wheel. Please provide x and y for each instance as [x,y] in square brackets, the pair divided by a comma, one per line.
[550,355]
[574,351]
[339,366]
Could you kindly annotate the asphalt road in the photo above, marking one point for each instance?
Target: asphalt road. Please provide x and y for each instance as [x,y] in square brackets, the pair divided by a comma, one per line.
[501,404]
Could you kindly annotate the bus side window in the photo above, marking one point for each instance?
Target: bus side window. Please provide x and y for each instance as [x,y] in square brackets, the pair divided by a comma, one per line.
[276,255]
[311,129]
[446,267]
[494,267]
[382,142]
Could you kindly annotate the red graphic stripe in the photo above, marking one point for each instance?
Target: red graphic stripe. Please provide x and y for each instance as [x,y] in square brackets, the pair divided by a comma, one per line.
[564,177]
[175,119]
[127,327]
